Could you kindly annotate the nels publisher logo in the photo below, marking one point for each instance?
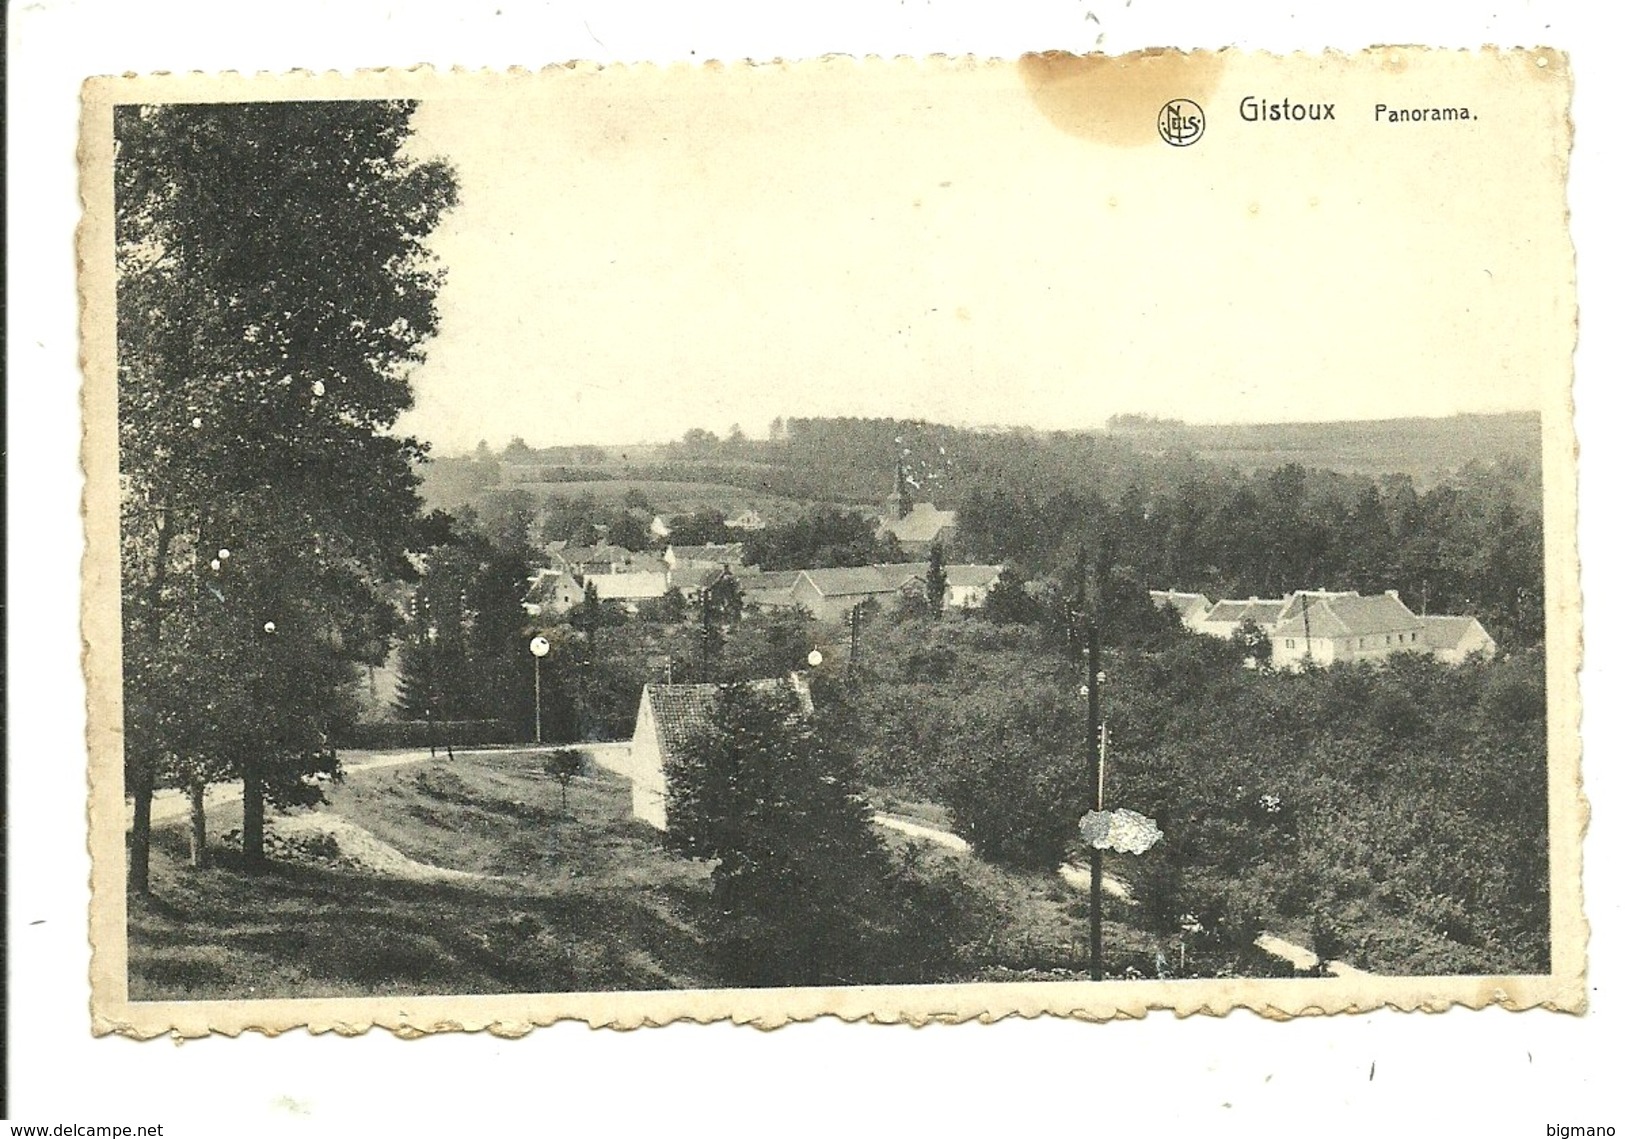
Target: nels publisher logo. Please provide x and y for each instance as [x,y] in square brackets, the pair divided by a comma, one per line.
[1180,122]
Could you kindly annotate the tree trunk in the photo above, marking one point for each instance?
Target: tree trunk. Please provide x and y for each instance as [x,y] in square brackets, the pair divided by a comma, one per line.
[253,816]
[200,829]
[141,830]
[143,777]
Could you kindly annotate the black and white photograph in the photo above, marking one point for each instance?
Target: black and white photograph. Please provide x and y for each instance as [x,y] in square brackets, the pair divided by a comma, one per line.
[898,538]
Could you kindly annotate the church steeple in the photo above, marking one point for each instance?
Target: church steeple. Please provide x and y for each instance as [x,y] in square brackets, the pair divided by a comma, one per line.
[899,502]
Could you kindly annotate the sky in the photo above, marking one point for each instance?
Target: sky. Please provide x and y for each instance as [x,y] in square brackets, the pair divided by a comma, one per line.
[639,252]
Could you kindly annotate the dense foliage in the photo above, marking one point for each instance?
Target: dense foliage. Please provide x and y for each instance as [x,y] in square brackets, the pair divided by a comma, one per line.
[803,892]
[273,290]
[1399,811]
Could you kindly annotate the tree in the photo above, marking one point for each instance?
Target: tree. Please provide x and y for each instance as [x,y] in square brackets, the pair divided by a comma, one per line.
[936,581]
[802,891]
[274,289]
[565,765]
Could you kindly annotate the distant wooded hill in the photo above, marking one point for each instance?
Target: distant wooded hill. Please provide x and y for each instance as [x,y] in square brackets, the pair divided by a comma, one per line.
[1425,449]
[853,461]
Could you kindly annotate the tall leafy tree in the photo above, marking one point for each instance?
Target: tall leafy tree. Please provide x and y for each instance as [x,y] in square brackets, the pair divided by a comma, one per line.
[274,290]
[803,892]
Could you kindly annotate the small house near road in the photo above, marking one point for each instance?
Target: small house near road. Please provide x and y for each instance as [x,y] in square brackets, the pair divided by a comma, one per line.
[670,718]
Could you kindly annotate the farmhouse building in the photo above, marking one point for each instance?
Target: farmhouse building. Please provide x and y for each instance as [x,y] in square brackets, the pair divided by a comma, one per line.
[1453,639]
[1225,617]
[768,589]
[629,587]
[1345,627]
[830,594]
[670,718]
[1192,608]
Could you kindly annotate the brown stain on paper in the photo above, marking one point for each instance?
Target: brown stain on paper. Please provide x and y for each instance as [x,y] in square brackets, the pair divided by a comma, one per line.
[1115,99]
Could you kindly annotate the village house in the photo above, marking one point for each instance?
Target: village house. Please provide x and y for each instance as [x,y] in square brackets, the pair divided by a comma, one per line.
[967,585]
[553,591]
[1224,617]
[830,594]
[629,587]
[1454,639]
[1192,608]
[593,560]
[670,717]
[916,526]
[746,520]
[1330,628]
[713,555]
[769,589]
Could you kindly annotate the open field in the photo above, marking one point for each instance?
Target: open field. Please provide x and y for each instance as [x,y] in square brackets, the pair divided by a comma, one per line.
[670,498]
[1425,449]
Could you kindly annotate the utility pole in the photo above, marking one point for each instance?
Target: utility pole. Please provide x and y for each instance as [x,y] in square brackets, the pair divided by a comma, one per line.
[1096,772]
[705,636]
[1308,652]
[855,616]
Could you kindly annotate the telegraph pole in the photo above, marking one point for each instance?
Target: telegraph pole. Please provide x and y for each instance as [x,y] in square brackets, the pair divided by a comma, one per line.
[1096,759]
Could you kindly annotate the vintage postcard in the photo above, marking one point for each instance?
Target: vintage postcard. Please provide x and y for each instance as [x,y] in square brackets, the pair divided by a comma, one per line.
[903,540]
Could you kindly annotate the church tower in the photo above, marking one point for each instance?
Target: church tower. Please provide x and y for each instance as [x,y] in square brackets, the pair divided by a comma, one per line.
[899,503]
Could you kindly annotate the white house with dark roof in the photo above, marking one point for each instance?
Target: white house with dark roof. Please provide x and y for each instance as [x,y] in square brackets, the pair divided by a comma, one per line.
[1346,627]
[670,716]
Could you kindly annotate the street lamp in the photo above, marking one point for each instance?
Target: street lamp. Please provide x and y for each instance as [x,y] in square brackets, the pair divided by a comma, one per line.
[538,649]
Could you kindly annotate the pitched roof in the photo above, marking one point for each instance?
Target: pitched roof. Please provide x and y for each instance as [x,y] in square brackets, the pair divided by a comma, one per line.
[853,581]
[1357,616]
[967,575]
[1446,632]
[682,711]
[548,584]
[764,581]
[1262,610]
[628,586]
[729,552]
[1185,604]
[578,555]
[922,524]
[695,577]
[1296,601]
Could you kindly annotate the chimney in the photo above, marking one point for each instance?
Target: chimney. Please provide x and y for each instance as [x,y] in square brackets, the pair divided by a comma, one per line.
[1394,593]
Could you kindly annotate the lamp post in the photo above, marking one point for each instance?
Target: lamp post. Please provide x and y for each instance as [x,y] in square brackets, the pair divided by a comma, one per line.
[538,650]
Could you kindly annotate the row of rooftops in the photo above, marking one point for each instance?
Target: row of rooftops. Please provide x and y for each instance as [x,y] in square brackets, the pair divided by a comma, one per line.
[1331,613]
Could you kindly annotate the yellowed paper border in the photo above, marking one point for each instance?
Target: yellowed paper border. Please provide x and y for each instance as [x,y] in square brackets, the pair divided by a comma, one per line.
[1533,75]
